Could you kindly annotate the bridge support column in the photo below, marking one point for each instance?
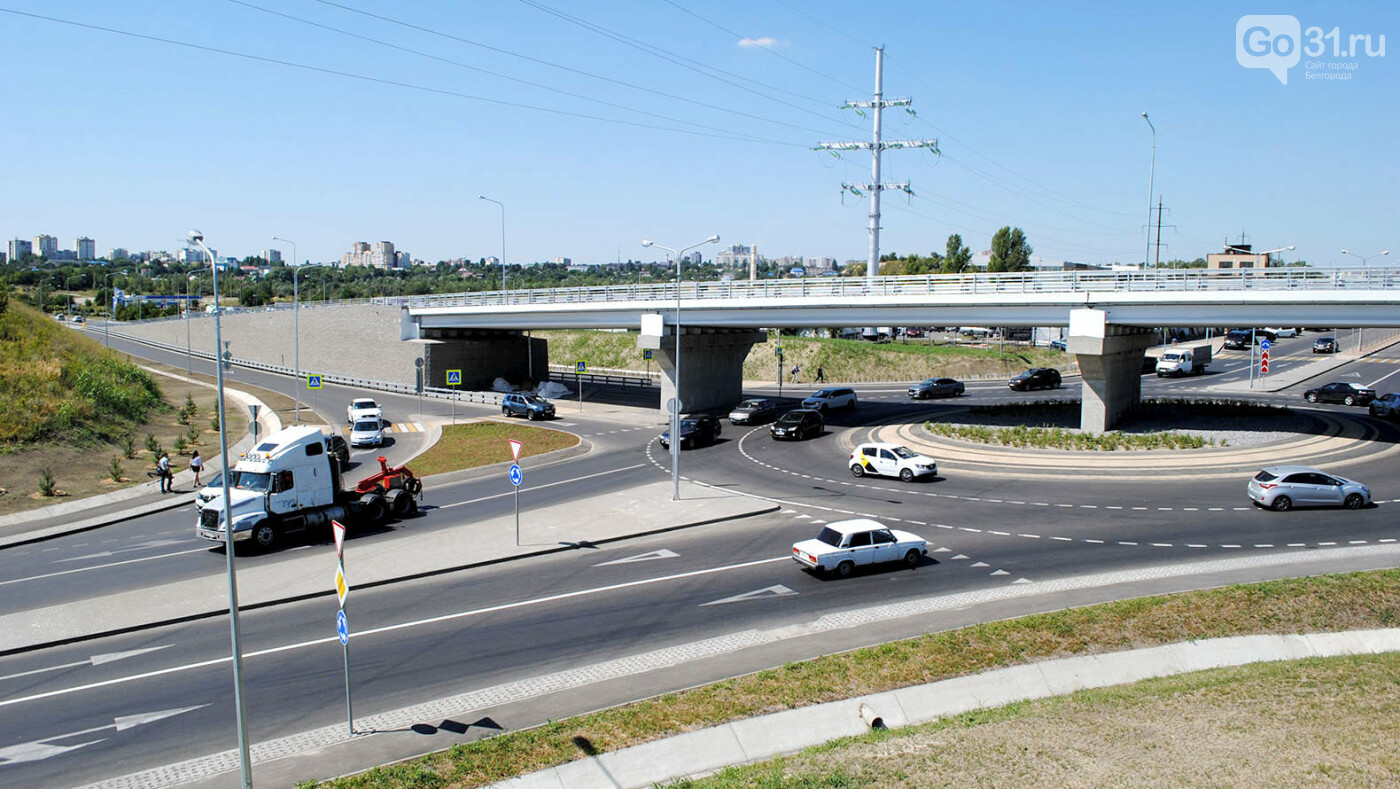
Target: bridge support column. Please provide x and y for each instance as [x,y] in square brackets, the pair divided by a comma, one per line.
[1110,362]
[483,355]
[712,363]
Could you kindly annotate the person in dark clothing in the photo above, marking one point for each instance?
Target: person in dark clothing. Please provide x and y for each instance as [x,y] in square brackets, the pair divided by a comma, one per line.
[167,480]
[821,375]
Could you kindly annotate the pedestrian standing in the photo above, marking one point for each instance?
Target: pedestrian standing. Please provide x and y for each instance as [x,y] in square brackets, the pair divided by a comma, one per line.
[795,370]
[196,465]
[163,471]
[821,375]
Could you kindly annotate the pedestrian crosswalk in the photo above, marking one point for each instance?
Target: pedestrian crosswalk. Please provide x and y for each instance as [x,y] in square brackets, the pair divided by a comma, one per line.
[399,427]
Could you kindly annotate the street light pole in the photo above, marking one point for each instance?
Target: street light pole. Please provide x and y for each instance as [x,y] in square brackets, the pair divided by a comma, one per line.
[245,760]
[111,309]
[529,346]
[1151,185]
[676,367]
[296,320]
[1382,253]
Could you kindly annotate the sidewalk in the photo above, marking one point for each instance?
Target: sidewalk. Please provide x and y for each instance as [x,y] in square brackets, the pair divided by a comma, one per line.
[1296,374]
[643,510]
[135,501]
[698,753]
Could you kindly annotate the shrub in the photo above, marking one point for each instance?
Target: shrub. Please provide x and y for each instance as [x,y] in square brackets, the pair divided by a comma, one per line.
[181,445]
[193,434]
[214,423]
[128,446]
[152,445]
[46,482]
[114,469]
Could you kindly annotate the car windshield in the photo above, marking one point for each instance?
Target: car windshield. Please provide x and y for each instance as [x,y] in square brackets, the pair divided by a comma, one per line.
[902,452]
[750,405]
[252,480]
[362,404]
[1265,476]
[928,382]
[830,536]
[532,399]
[366,426]
[790,418]
[688,424]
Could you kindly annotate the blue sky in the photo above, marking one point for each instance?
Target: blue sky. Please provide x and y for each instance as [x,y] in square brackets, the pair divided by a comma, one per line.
[1037,108]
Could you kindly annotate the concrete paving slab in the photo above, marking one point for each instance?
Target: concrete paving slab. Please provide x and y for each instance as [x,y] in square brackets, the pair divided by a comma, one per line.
[688,754]
[780,732]
[949,697]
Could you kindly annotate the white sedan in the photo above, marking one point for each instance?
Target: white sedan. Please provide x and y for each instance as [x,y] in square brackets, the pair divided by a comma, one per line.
[845,545]
[362,409]
[1284,332]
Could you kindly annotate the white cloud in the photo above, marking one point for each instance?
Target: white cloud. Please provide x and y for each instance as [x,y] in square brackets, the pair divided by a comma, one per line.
[764,41]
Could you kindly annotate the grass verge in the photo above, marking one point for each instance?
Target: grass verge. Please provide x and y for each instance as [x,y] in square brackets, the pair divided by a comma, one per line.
[483,443]
[1322,604]
[1061,438]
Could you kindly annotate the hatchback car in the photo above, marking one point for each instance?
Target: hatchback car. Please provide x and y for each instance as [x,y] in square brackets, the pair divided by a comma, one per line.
[891,460]
[1283,487]
[696,430]
[1387,405]
[826,399]
[367,432]
[798,424]
[936,387]
[1341,392]
[753,412]
[1036,378]
[1326,345]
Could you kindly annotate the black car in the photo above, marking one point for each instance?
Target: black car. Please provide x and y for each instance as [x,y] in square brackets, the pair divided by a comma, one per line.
[936,387]
[1341,392]
[336,445]
[753,412]
[1036,378]
[696,430]
[1326,345]
[798,424]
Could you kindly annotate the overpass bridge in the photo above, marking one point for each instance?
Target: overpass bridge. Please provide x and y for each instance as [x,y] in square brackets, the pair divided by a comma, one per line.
[1111,316]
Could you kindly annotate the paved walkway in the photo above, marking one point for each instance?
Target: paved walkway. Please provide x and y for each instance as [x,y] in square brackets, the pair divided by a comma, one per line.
[698,753]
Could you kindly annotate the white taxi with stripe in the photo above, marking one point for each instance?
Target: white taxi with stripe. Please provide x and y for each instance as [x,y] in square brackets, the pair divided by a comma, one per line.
[891,460]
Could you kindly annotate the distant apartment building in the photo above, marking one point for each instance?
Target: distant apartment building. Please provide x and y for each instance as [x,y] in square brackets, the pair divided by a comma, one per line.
[272,255]
[117,252]
[382,255]
[733,255]
[18,248]
[357,256]
[563,261]
[86,248]
[1237,256]
[818,265]
[46,246]
[402,259]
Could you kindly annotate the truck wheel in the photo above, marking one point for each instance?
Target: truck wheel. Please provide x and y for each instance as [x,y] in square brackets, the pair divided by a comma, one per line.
[374,508]
[911,558]
[400,502]
[265,536]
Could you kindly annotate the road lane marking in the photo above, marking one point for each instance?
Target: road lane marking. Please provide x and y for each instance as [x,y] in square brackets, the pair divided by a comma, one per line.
[102,566]
[546,485]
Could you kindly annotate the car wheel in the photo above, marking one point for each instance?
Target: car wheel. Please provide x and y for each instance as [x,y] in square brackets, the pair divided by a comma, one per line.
[844,569]
[1283,504]
[857,470]
[1354,501]
[265,536]
[905,475]
[505,411]
[687,443]
[1349,400]
[911,558]
[1311,397]
[530,416]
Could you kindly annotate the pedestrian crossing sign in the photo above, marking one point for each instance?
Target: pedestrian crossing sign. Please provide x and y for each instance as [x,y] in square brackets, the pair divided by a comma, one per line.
[646,354]
[454,377]
[313,382]
[580,366]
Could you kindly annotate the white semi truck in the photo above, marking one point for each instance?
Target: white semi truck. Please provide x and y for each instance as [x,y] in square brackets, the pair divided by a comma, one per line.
[1183,361]
[289,483]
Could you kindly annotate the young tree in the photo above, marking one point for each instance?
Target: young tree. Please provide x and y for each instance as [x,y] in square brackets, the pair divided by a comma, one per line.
[1010,252]
[958,257]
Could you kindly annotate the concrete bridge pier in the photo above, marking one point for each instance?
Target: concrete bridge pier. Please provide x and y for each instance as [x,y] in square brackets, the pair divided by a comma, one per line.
[484,355]
[712,362]
[1110,362]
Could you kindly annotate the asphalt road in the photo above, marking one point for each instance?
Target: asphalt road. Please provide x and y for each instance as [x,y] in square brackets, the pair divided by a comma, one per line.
[79,713]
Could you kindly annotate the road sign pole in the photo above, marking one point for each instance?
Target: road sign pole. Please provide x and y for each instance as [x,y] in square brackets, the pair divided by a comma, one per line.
[517,516]
[349,711]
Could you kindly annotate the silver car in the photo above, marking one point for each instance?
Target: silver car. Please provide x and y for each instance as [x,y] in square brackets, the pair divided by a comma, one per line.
[1281,487]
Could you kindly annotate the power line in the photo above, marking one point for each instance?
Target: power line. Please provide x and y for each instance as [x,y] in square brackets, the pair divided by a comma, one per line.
[391,83]
[499,75]
[550,64]
[775,54]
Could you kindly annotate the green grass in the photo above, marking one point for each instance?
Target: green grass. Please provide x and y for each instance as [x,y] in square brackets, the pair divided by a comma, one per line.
[1321,604]
[484,443]
[60,386]
[1062,438]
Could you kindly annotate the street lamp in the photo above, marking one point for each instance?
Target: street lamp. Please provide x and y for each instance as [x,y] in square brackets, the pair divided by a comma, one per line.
[111,308]
[1365,258]
[66,284]
[503,242]
[296,318]
[1151,179]
[676,367]
[245,761]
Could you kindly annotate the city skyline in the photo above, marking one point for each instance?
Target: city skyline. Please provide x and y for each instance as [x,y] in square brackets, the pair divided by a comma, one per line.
[672,122]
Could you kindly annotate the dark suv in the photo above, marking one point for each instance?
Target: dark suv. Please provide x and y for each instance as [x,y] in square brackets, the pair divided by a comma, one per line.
[797,424]
[696,429]
[527,405]
[1036,378]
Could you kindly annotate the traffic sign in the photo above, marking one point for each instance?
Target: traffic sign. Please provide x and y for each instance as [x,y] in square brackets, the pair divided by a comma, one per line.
[454,377]
[674,406]
[646,354]
[516,477]
[342,627]
[580,366]
[338,529]
[1264,366]
[515,449]
[1265,345]
[341,587]
[313,382]
[778,352]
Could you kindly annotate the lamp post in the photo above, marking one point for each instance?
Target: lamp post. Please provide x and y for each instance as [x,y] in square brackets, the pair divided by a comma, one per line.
[296,318]
[1151,185]
[189,364]
[1364,258]
[529,346]
[245,761]
[676,366]
[111,307]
